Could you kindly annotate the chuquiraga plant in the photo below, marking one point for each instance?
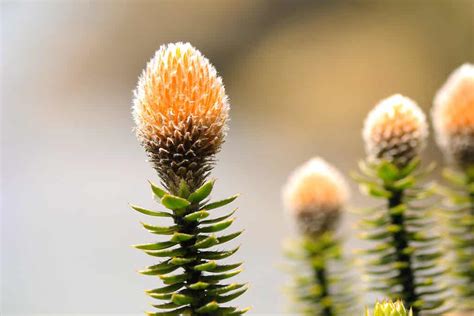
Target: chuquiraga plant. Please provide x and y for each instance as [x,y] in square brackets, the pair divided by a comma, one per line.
[453,120]
[316,194]
[181,112]
[389,308]
[403,258]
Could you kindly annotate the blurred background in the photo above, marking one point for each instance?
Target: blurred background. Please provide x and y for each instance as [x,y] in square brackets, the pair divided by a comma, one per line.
[301,77]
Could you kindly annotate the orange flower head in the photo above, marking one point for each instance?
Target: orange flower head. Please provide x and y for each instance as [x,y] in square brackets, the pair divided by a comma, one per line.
[316,193]
[395,130]
[181,113]
[453,116]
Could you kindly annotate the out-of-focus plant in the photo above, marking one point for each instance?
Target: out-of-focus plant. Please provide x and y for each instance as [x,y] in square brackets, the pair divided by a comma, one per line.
[181,112]
[389,308]
[453,120]
[402,261]
[316,194]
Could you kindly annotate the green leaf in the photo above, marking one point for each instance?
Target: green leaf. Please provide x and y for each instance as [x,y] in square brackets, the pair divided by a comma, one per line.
[157,190]
[217,255]
[202,192]
[227,267]
[218,219]
[220,276]
[209,307]
[199,286]
[387,171]
[150,213]
[217,227]
[158,269]
[229,237]
[156,246]
[174,202]
[404,183]
[172,279]
[206,242]
[180,237]
[176,312]
[228,298]
[220,203]
[167,252]
[160,230]
[454,177]
[181,261]
[166,289]
[195,216]
[375,191]
[181,299]
[208,266]
[225,289]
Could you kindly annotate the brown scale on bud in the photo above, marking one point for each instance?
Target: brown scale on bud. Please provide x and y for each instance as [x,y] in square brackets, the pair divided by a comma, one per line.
[453,116]
[395,130]
[181,113]
[315,194]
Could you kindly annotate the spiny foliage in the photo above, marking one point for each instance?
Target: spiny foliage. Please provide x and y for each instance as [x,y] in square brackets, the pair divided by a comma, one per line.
[389,308]
[460,219]
[403,259]
[321,283]
[193,278]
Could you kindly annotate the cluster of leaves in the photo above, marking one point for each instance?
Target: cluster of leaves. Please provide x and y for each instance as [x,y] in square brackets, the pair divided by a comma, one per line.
[403,259]
[190,272]
[460,219]
[321,284]
[389,308]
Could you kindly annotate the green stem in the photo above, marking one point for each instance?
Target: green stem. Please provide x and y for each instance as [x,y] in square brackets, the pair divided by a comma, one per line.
[321,278]
[192,275]
[400,239]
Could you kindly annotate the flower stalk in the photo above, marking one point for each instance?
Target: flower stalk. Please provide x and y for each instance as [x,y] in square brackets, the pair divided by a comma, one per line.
[402,261]
[181,110]
[453,118]
[315,194]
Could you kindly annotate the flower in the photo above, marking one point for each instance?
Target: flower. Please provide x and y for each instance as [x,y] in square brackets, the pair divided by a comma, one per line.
[453,116]
[181,112]
[315,193]
[395,130]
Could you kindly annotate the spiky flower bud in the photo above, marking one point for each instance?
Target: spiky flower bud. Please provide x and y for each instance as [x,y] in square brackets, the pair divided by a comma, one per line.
[389,308]
[395,130]
[453,116]
[181,112]
[316,193]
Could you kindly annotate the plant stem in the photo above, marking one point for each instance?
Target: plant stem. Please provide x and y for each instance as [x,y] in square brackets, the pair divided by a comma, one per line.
[192,275]
[400,240]
[320,274]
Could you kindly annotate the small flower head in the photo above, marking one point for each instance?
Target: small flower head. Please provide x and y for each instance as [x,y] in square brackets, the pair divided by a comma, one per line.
[389,308]
[181,113]
[315,193]
[395,130]
[453,116]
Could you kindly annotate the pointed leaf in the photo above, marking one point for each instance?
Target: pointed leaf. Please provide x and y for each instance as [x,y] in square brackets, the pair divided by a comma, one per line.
[229,237]
[174,202]
[218,219]
[149,212]
[217,227]
[156,246]
[220,203]
[180,237]
[196,216]
[217,255]
[202,192]
[157,190]
[160,230]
